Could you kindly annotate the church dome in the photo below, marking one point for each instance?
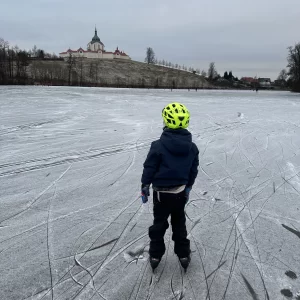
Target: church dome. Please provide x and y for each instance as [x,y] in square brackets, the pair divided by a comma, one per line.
[96,38]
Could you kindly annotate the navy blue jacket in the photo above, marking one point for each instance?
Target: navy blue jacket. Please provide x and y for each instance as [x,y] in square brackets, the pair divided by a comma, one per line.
[172,160]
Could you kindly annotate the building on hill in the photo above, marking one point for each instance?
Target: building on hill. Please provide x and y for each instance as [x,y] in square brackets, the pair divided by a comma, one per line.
[95,49]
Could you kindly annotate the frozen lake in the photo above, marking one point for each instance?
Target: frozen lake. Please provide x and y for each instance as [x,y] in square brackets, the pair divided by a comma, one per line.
[72,225]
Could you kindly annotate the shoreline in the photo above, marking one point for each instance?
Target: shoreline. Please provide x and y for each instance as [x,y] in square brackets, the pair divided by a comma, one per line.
[153,87]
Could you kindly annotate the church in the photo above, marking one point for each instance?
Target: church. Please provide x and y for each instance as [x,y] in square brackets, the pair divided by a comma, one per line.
[95,49]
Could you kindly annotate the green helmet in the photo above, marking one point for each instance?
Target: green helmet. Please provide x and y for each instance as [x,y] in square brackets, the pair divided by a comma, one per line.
[176,115]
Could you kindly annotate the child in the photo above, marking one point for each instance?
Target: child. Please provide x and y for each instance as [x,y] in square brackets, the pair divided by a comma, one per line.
[172,167]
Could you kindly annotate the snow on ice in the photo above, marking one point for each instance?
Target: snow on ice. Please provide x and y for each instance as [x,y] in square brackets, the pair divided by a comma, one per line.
[72,225]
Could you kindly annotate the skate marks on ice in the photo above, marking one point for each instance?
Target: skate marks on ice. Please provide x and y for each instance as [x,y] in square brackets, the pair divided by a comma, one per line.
[237,205]
[89,231]
[13,168]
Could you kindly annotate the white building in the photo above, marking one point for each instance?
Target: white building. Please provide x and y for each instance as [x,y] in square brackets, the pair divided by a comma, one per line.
[95,49]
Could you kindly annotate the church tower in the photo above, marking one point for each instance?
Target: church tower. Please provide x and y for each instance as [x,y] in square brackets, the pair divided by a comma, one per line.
[95,44]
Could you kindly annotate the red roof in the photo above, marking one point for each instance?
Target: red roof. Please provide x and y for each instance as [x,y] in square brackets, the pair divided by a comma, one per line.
[117,51]
[249,79]
[80,49]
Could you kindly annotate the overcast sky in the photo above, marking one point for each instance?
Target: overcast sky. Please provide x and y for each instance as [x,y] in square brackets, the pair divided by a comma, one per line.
[248,37]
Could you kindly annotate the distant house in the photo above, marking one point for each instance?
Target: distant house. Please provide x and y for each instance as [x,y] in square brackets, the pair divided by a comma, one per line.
[95,49]
[249,80]
[264,82]
[264,79]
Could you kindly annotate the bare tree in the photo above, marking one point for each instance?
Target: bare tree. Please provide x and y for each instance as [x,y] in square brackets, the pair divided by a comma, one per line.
[294,66]
[3,59]
[11,62]
[212,72]
[59,72]
[203,73]
[71,62]
[150,56]
[80,69]
[283,75]
[97,68]
[34,51]
[92,72]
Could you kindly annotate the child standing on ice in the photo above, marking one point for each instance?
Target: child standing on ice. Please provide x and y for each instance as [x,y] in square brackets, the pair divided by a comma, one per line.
[171,167]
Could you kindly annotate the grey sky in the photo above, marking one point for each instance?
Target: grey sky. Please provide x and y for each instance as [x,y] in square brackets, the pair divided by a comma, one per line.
[248,37]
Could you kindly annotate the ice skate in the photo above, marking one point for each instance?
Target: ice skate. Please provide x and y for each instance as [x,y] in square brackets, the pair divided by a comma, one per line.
[154,262]
[185,261]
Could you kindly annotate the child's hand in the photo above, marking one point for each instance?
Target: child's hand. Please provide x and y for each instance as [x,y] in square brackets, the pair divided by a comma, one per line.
[187,193]
[145,192]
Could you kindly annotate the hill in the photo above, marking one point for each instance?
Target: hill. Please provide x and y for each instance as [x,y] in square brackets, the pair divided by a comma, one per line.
[111,73]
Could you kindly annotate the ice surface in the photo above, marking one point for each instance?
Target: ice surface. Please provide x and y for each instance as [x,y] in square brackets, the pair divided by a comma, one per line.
[72,225]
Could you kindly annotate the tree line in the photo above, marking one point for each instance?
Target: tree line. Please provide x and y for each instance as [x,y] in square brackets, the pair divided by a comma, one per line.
[287,78]
[14,62]
[151,59]
[36,66]
[211,74]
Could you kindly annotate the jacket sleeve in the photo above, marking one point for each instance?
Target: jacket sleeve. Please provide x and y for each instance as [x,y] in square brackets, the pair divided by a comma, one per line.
[151,163]
[194,168]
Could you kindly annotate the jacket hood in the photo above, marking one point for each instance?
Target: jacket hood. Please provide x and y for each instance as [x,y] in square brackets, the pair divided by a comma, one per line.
[177,141]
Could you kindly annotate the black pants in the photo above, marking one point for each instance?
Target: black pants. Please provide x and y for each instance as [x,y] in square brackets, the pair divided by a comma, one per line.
[164,206]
